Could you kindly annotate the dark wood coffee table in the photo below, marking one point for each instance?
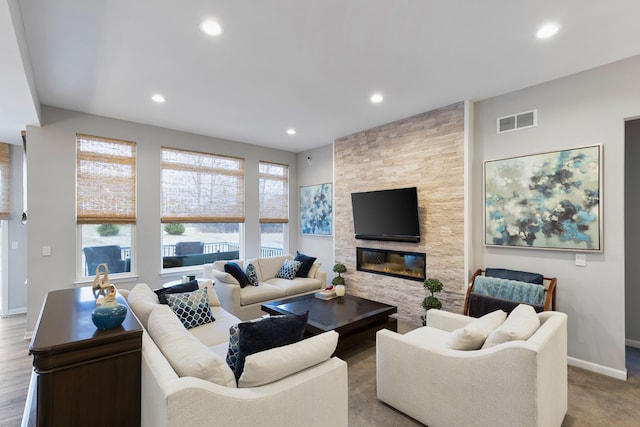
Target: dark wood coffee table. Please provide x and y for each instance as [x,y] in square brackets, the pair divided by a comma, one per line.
[355,319]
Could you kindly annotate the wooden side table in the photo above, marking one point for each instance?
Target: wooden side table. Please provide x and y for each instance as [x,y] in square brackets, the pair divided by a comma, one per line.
[83,376]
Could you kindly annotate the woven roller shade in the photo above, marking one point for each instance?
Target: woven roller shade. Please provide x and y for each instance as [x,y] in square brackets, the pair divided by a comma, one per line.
[4,181]
[201,187]
[274,193]
[105,181]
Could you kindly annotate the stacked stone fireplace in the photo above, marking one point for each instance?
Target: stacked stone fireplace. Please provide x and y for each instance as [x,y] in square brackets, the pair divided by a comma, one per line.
[424,151]
[407,265]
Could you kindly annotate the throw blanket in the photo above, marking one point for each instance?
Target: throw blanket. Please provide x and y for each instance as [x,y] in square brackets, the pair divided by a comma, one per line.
[479,305]
[512,290]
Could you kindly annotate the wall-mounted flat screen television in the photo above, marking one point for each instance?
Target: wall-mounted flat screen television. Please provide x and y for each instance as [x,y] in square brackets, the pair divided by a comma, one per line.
[390,215]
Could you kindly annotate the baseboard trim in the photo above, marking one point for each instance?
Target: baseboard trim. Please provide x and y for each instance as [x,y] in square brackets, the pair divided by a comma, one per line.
[14,312]
[598,369]
[632,343]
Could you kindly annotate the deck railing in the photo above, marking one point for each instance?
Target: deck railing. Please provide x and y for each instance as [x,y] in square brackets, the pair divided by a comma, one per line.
[209,248]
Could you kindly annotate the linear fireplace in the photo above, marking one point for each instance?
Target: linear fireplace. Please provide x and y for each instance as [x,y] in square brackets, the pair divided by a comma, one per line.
[407,265]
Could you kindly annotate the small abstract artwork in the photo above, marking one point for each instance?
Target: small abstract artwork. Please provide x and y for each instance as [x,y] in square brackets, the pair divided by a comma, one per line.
[545,201]
[316,209]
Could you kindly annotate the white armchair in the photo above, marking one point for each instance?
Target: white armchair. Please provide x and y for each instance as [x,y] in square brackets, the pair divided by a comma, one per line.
[517,383]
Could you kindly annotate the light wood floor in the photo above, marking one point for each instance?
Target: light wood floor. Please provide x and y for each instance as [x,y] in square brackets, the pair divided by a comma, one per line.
[15,369]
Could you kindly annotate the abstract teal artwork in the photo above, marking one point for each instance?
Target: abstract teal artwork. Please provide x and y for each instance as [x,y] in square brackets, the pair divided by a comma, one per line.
[545,201]
[316,209]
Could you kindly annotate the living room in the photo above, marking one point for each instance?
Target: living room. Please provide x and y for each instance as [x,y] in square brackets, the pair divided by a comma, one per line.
[586,108]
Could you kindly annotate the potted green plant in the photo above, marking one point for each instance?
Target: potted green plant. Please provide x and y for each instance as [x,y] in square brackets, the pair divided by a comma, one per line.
[429,302]
[338,281]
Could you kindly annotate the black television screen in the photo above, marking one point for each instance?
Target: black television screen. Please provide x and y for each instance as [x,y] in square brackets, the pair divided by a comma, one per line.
[387,215]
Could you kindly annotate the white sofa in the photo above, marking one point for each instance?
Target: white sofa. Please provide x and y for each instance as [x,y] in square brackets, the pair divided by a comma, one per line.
[245,302]
[517,383]
[186,381]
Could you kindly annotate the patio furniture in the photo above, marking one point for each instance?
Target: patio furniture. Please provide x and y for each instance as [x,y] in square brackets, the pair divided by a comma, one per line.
[110,255]
[189,248]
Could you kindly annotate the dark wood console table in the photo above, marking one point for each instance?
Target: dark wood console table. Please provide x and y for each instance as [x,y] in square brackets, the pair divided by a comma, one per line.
[83,376]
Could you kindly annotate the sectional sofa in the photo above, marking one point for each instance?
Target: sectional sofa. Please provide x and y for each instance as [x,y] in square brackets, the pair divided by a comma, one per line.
[187,382]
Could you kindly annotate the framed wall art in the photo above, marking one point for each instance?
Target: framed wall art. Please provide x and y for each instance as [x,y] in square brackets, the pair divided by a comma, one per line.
[545,201]
[316,209]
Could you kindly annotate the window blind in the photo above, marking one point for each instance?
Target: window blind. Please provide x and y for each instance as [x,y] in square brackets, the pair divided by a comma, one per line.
[201,187]
[274,193]
[105,180]
[4,181]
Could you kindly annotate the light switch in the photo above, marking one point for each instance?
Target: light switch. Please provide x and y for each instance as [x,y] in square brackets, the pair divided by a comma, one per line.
[581,260]
[46,250]
[14,244]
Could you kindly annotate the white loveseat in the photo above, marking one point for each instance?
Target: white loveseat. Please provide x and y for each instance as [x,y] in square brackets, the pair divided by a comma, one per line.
[245,302]
[517,383]
[186,381]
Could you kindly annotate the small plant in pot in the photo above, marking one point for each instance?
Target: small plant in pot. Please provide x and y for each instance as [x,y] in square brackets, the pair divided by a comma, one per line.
[338,281]
[429,302]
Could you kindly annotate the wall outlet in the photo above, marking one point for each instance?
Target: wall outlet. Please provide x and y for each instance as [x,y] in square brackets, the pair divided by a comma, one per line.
[46,250]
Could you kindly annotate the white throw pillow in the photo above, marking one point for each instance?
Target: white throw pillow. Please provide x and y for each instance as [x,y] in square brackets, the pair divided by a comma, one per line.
[188,356]
[271,365]
[314,268]
[522,322]
[213,297]
[473,335]
[221,276]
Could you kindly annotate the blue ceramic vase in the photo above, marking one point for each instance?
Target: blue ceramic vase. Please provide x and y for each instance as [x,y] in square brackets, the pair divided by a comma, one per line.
[109,315]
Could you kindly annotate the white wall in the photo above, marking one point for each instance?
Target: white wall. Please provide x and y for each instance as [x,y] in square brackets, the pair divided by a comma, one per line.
[17,242]
[51,195]
[583,109]
[320,171]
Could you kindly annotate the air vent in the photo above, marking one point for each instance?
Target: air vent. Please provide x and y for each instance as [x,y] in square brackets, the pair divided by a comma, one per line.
[528,119]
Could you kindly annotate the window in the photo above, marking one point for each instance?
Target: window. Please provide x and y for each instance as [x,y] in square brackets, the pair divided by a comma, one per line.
[202,207]
[106,203]
[274,208]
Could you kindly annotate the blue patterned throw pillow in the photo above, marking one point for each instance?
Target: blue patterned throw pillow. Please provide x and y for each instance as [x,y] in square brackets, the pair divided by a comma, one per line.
[192,308]
[252,274]
[232,353]
[289,269]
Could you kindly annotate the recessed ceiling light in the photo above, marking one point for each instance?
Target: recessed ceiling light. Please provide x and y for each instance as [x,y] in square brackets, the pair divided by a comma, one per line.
[546,31]
[376,98]
[291,131]
[211,27]
[158,98]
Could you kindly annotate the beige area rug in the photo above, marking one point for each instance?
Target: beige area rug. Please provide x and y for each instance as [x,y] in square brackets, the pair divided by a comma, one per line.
[594,400]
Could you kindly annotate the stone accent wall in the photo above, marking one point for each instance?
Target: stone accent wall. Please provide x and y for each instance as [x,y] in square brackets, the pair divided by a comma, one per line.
[425,151]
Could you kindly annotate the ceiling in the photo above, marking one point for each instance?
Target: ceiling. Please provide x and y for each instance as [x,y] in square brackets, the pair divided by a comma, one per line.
[304,64]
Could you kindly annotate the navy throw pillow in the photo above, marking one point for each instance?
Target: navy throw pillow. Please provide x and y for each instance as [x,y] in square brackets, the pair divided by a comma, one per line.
[268,333]
[520,276]
[307,262]
[176,289]
[234,269]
